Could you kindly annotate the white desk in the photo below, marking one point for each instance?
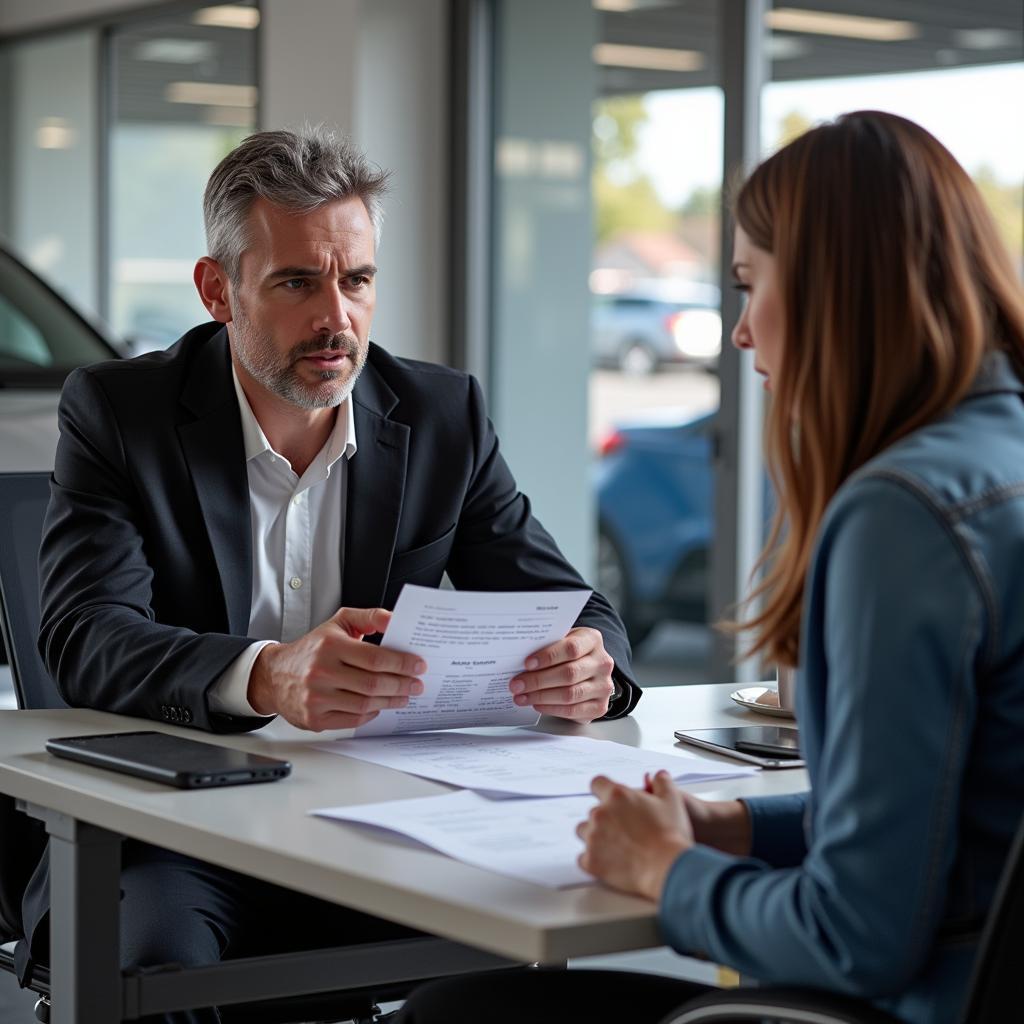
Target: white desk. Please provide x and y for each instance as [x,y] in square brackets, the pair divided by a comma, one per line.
[265,831]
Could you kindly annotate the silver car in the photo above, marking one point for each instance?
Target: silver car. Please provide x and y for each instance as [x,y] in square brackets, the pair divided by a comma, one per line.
[42,339]
[639,333]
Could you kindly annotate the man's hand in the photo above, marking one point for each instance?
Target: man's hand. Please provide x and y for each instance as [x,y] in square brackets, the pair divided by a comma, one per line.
[330,679]
[571,678]
[633,837]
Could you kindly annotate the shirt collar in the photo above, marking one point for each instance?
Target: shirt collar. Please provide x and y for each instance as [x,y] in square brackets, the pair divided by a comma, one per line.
[342,440]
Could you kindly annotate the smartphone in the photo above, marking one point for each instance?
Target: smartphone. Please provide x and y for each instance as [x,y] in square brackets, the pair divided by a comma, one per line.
[766,745]
[172,760]
[772,741]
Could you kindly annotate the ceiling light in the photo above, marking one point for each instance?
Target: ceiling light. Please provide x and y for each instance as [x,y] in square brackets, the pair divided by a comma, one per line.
[785,47]
[227,16]
[175,51]
[230,117]
[614,5]
[986,38]
[55,133]
[849,26]
[649,58]
[212,94]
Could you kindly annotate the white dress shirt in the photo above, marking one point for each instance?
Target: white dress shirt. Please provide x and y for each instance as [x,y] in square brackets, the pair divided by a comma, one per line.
[298,529]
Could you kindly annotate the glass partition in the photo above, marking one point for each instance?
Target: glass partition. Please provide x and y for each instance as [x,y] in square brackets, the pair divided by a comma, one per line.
[184,94]
[656,327]
[657,141]
[49,156]
[107,136]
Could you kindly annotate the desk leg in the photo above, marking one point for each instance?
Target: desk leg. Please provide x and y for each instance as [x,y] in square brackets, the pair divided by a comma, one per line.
[85,941]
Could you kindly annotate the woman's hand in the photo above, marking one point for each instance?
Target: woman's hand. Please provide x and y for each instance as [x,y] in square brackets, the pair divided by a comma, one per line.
[723,824]
[634,836]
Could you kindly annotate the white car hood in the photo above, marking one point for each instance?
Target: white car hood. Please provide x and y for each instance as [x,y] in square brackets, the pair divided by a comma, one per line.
[28,430]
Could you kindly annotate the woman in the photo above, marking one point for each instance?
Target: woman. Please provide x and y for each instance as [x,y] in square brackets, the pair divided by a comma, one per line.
[888,323]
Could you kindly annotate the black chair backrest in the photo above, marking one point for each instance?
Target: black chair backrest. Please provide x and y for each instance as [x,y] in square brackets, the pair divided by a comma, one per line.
[995,992]
[23,500]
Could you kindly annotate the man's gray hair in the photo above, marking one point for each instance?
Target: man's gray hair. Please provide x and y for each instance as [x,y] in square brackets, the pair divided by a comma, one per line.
[297,171]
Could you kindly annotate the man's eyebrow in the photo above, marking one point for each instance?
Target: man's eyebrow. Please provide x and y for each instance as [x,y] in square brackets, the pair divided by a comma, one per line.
[366,270]
[283,273]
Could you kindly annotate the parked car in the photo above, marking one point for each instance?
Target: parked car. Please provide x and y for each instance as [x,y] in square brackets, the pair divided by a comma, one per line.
[640,332]
[654,484]
[42,339]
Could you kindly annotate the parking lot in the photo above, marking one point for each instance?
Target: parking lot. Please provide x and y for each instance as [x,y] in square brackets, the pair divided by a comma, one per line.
[615,395]
[675,653]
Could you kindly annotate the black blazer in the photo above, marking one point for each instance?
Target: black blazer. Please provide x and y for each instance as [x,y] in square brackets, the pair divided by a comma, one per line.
[146,567]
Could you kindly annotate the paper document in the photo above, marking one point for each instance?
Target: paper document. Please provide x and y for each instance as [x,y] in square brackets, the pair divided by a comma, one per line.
[473,643]
[531,839]
[525,763]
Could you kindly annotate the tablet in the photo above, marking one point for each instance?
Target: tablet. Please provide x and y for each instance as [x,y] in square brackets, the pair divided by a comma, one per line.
[767,746]
[173,760]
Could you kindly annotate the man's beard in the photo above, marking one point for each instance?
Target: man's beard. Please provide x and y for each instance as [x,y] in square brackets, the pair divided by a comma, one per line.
[280,376]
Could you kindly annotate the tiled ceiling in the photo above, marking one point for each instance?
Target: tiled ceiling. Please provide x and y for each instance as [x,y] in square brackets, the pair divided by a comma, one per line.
[948,34]
[151,55]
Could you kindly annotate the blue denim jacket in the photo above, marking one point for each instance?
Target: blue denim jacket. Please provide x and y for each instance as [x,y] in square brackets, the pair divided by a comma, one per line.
[910,702]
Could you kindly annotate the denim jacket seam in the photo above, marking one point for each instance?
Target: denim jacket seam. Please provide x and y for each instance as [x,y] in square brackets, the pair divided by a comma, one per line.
[952,521]
[984,604]
[950,518]
[945,801]
[987,498]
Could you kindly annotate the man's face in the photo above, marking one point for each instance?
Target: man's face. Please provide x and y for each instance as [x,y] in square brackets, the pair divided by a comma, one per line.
[302,306]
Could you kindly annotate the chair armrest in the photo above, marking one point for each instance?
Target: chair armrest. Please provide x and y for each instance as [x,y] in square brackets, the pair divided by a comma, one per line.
[796,1005]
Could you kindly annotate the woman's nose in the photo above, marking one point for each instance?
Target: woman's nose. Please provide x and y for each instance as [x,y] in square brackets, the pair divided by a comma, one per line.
[741,333]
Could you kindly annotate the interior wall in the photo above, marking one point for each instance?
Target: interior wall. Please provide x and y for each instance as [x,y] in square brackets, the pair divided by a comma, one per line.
[401,119]
[540,350]
[307,63]
[377,69]
[53,110]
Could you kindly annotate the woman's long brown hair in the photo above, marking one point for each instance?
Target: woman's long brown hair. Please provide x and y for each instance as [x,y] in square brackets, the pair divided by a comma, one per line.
[894,284]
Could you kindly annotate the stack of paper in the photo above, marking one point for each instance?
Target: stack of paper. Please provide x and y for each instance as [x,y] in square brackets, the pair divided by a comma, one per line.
[473,644]
[521,763]
[531,839]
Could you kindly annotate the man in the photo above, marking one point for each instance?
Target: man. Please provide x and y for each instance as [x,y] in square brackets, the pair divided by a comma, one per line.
[214,506]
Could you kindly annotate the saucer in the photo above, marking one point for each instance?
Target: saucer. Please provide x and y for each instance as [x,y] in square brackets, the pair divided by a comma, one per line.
[748,698]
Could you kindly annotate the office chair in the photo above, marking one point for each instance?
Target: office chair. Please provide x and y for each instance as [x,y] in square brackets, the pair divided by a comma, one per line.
[23,498]
[994,994]
[23,501]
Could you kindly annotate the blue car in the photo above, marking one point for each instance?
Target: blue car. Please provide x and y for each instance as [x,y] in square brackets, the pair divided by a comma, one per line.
[655,498]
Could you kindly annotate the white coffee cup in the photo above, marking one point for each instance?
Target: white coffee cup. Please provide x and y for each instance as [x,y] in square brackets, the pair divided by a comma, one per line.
[786,682]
